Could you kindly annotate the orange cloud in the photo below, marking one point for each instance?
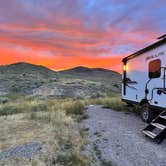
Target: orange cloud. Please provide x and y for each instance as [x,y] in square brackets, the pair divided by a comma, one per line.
[9,56]
[61,47]
[62,39]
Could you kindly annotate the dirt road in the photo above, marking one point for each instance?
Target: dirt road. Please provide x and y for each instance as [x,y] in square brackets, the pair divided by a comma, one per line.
[117,137]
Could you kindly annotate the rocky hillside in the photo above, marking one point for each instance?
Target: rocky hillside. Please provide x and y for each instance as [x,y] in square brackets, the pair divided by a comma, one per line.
[90,73]
[33,80]
[26,69]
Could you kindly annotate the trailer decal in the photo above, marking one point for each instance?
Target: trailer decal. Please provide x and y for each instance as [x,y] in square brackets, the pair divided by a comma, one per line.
[155,55]
[130,82]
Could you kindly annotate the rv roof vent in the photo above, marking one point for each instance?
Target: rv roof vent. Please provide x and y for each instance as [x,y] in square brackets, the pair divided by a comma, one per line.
[162,37]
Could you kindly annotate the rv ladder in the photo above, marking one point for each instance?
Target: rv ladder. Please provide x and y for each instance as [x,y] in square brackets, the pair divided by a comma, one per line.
[156,130]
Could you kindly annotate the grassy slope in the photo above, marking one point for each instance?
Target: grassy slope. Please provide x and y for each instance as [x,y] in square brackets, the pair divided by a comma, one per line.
[107,81]
[27,79]
[22,78]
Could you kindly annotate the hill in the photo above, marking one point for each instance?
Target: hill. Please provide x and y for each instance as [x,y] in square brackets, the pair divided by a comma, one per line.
[26,69]
[92,74]
[33,80]
[85,71]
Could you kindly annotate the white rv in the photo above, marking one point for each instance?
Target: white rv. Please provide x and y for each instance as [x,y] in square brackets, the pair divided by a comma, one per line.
[144,79]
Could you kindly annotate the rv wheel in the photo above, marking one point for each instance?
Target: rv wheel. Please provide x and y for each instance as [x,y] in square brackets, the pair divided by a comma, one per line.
[147,114]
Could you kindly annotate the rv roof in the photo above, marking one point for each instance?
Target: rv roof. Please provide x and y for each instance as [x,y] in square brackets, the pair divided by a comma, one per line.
[154,45]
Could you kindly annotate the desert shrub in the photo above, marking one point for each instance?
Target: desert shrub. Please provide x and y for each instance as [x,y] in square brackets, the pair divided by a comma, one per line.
[42,117]
[116,85]
[9,110]
[106,163]
[96,95]
[112,94]
[4,100]
[76,108]
[33,116]
[71,159]
[118,105]
[14,96]
[84,132]
[39,107]
[114,103]
[22,106]
[15,88]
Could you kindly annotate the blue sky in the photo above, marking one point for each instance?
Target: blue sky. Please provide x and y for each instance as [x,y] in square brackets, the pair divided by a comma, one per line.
[45,30]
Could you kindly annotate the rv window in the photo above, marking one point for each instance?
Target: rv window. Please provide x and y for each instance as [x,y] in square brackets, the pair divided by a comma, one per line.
[155,69]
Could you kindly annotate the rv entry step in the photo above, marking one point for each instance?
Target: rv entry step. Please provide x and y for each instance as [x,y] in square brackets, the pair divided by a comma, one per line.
[156,130]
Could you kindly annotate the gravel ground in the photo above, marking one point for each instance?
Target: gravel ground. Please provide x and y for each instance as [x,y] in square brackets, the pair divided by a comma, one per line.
[26,151]
[117,137]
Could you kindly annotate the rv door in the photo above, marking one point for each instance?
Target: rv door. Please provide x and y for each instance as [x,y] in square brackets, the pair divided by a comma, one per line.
[156,86]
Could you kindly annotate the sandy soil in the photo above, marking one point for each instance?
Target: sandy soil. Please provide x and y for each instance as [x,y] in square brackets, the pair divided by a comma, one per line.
[117,137]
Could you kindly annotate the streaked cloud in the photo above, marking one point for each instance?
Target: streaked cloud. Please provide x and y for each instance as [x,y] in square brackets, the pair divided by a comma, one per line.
[77,29]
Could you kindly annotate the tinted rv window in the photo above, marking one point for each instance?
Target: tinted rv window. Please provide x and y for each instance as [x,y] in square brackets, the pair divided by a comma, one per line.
[155,69]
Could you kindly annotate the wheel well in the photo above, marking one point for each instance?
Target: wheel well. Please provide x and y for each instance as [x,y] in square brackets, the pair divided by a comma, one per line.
[144,101]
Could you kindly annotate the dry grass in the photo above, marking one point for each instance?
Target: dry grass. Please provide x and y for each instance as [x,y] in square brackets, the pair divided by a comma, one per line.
[55,124]
[114,103]
[22,106]
[52,122]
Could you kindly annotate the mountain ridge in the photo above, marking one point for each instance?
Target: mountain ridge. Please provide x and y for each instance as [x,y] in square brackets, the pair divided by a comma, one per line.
[77,68]
[88,69]
[36,80]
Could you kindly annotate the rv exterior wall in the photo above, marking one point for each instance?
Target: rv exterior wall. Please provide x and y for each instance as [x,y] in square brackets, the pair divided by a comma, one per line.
[137,76]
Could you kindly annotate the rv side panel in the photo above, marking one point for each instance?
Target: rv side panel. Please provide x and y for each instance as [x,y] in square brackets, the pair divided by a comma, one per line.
[136,77]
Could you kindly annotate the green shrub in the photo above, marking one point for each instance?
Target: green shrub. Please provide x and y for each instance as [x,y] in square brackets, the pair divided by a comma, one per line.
[75,108]
[39,107]
[4,100]
[114,103]
[33,116]
[106,163]
[23,106]
[14,96]
[9,110]
[71,159]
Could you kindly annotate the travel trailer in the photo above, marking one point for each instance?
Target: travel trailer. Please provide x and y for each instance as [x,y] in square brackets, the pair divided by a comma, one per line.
[144,79]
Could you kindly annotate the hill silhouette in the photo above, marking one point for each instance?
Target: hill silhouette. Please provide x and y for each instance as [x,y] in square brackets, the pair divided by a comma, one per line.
[35,80]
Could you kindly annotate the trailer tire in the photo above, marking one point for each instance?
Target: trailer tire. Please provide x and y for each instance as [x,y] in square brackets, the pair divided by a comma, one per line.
[147,114]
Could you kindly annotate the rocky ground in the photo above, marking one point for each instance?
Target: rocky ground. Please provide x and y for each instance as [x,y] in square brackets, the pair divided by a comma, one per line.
[27,151]
[117,139]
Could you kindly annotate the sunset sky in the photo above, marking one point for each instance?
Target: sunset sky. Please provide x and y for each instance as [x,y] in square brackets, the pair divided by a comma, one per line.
[61,34]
